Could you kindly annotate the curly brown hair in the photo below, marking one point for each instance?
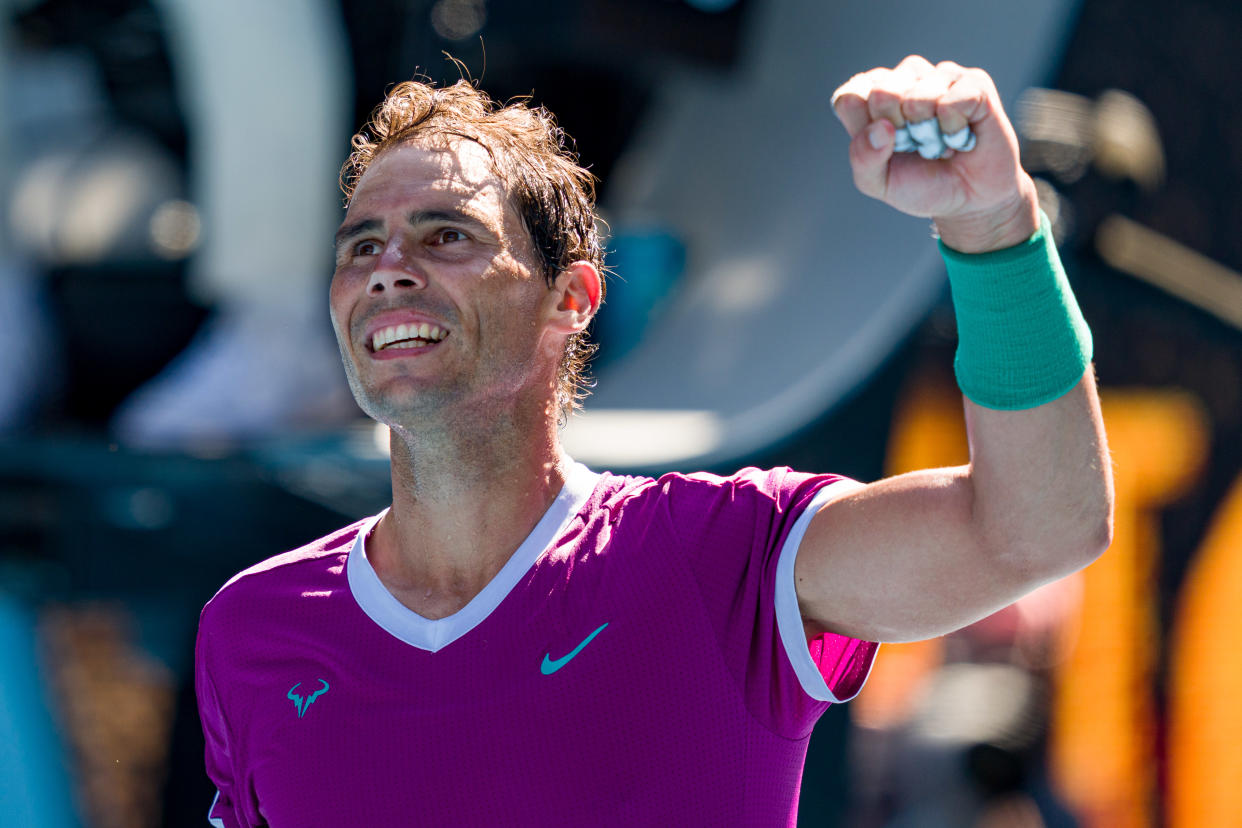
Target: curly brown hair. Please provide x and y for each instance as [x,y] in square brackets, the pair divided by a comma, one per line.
[534,158]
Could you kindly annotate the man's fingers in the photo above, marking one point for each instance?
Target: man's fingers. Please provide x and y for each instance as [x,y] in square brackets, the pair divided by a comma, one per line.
[849,103]
[887,88]
[965,102]
[920,99]
[931,107]
[918,105]
[916,66]
[951,116]
[950,71]
[877,94]
[870,152]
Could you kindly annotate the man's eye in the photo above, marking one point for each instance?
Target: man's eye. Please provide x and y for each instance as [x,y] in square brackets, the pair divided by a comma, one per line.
[367,248]
[447,236]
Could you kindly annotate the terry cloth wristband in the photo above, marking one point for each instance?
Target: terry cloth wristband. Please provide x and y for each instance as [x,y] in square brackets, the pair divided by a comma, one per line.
[1022,340]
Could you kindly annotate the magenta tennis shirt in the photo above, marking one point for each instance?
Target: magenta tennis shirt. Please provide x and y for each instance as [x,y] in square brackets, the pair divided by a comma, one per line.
[639,661]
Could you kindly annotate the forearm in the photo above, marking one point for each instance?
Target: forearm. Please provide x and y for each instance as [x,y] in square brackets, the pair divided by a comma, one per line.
[1040,479]
[1041,483]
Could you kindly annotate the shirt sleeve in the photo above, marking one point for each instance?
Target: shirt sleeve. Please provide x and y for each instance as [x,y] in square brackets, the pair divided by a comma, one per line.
[221,812]
[741,535]
[830,668]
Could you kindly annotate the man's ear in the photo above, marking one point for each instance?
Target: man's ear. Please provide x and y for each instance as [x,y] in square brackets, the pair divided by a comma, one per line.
[577,290]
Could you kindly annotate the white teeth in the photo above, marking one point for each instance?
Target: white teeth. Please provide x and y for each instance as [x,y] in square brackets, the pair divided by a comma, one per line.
[405,336]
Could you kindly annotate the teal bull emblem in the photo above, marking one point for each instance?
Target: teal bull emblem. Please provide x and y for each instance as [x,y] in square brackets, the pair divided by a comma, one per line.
[304,702]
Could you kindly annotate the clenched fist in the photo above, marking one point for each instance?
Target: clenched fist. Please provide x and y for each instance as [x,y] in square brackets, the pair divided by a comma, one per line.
[980,197]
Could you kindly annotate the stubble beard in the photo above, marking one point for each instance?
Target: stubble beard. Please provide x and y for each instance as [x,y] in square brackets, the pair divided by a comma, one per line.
[452,418]
[436,417]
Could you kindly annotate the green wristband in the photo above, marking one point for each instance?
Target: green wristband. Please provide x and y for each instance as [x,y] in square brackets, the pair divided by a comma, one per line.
[1021,339]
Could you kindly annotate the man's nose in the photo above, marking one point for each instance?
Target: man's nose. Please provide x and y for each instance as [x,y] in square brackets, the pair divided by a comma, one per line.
[395,271]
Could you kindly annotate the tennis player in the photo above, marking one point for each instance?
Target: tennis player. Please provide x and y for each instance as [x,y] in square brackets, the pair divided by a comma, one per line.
[520,640]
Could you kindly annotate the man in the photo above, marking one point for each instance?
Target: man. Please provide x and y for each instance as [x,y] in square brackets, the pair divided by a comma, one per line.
[518,640]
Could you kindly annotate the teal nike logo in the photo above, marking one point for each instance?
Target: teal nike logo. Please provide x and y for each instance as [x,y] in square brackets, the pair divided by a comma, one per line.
[301,702]
[549,666]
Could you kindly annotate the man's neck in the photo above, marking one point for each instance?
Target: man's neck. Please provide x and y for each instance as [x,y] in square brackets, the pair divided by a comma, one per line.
[463,501]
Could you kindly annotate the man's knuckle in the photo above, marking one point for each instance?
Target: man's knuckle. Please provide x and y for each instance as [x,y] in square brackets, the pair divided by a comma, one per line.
[884,97]
[980,77]
[919,104]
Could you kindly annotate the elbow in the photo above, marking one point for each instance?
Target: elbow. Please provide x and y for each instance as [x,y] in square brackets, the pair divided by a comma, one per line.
[1056,544]
[1096,542]
[1097,535]
[1078,542]
[1095,515]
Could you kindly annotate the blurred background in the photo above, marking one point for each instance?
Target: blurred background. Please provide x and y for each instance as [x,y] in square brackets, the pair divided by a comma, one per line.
[172,406]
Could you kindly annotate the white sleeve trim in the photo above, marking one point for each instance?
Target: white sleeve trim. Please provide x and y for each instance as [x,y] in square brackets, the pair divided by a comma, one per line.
[215,821]
[788,616]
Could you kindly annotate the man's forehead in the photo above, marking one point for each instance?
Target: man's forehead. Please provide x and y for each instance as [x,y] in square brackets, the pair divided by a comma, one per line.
[457,168]
[455,160]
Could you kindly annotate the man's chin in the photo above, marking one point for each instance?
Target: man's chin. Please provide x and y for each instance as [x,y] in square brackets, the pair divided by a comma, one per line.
[405,408]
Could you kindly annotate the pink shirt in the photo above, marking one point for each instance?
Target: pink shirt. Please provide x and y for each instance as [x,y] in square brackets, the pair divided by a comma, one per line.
[640,660]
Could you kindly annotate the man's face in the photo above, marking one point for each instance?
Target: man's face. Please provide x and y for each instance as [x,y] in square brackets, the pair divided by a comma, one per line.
[436,298]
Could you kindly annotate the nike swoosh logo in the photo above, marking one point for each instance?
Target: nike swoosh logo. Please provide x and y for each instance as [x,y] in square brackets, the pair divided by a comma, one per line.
[549,666]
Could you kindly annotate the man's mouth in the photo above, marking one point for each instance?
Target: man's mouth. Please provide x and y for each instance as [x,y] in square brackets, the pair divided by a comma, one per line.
[406,336]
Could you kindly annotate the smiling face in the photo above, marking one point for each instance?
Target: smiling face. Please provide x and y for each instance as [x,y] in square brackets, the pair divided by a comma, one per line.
[437,300]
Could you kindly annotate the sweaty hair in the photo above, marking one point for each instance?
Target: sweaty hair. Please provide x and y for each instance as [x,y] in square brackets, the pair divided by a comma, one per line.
[532,156]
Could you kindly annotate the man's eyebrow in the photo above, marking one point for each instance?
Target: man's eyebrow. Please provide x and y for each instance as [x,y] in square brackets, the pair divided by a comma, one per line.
[417,217]
[349,230]
[450,215]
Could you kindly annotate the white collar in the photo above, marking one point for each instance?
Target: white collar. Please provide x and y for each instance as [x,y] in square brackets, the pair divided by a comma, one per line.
[434,634]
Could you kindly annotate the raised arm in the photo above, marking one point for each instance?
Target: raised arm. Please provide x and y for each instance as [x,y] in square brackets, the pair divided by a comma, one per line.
[924,553]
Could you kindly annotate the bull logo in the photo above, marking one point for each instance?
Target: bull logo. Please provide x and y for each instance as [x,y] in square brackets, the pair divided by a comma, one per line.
[304,702]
